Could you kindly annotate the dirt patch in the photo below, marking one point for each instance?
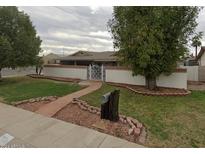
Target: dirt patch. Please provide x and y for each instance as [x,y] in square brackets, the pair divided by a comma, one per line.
[72,113]
[32,106]
[196,85]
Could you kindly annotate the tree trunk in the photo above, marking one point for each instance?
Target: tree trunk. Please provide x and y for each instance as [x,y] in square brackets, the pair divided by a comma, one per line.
[41,68]
[36,69]
[196,52]
[151,83]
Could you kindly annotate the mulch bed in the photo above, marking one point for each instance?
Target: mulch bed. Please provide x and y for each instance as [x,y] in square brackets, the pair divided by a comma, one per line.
[32,106]
[72,113]
[196,83]
[161,91]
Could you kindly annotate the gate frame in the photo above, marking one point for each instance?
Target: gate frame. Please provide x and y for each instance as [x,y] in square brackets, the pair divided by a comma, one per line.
[90,73]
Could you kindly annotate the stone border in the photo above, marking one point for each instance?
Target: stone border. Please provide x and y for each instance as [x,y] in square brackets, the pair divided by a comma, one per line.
[136,128]
[54,78]
[38,99]
[185,93]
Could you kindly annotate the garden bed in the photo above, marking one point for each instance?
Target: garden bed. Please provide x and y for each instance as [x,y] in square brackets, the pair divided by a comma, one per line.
[79,112]
[160,91]
[34,104]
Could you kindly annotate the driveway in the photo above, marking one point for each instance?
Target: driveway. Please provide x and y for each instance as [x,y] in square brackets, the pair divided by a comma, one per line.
[21,128]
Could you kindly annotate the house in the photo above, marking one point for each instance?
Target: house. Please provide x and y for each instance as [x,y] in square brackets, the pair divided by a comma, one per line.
[191,61]
[104,66]
[51,58]
[85,58]
[201,56]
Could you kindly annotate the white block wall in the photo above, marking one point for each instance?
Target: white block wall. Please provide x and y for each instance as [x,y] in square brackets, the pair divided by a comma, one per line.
[66,72]
[175,80]
[123,76]
[202,60]
[192,73]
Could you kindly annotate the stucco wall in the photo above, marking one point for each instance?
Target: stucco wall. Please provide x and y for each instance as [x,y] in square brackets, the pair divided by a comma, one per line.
[69,72]
[123,76]
[202,73]
[192,73]
[202,60]
[175,80]
[113,74]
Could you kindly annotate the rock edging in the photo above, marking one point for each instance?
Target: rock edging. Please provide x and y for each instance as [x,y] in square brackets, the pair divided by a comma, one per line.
[185,93]
[136,128]
[32,100]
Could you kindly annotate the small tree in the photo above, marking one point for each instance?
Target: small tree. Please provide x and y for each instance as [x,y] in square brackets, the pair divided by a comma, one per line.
[152,39]
[19,43]
[196,41]
[39,65]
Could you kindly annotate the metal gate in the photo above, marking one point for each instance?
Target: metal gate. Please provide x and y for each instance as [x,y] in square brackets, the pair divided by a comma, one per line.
[95,72]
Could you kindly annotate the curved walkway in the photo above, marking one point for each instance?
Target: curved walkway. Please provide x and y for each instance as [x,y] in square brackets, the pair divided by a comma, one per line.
[52,108]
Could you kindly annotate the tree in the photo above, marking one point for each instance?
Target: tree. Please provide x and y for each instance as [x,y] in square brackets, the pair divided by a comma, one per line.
[152,39]
[196,41]
[18,38]
[5,50]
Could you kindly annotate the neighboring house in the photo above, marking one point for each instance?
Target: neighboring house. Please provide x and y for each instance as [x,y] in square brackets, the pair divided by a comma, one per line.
[201,56]
[51,58]
[85,58]
[189,60]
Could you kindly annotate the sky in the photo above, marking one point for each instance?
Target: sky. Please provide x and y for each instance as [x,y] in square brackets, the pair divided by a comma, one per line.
[65,30]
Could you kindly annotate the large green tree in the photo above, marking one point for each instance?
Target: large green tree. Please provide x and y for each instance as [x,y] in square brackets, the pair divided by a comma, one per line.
[19,43]
[152,39]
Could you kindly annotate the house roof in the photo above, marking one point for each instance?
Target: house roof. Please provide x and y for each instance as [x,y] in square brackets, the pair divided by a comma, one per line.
[201,52]
[92,56]
[52,55]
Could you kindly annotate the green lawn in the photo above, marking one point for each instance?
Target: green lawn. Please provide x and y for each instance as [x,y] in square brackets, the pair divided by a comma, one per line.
[21,88]
[170,121]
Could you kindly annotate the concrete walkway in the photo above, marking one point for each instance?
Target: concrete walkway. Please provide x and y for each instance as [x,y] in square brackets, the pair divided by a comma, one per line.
[52,108]
[28,129]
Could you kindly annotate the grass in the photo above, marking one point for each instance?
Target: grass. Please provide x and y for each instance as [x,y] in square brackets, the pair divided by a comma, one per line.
[21,88]
[170,121]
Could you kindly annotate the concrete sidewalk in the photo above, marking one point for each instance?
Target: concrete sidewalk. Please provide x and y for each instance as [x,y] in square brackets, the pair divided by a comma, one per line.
[33,130]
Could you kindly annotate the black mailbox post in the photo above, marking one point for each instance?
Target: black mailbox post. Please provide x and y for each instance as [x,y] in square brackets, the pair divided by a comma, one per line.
[105,106]
[109,106]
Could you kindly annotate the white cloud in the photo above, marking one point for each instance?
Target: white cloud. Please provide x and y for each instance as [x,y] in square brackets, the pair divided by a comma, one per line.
[71,28]
[63,47]
[77,28]
[94,9]
[100,33]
